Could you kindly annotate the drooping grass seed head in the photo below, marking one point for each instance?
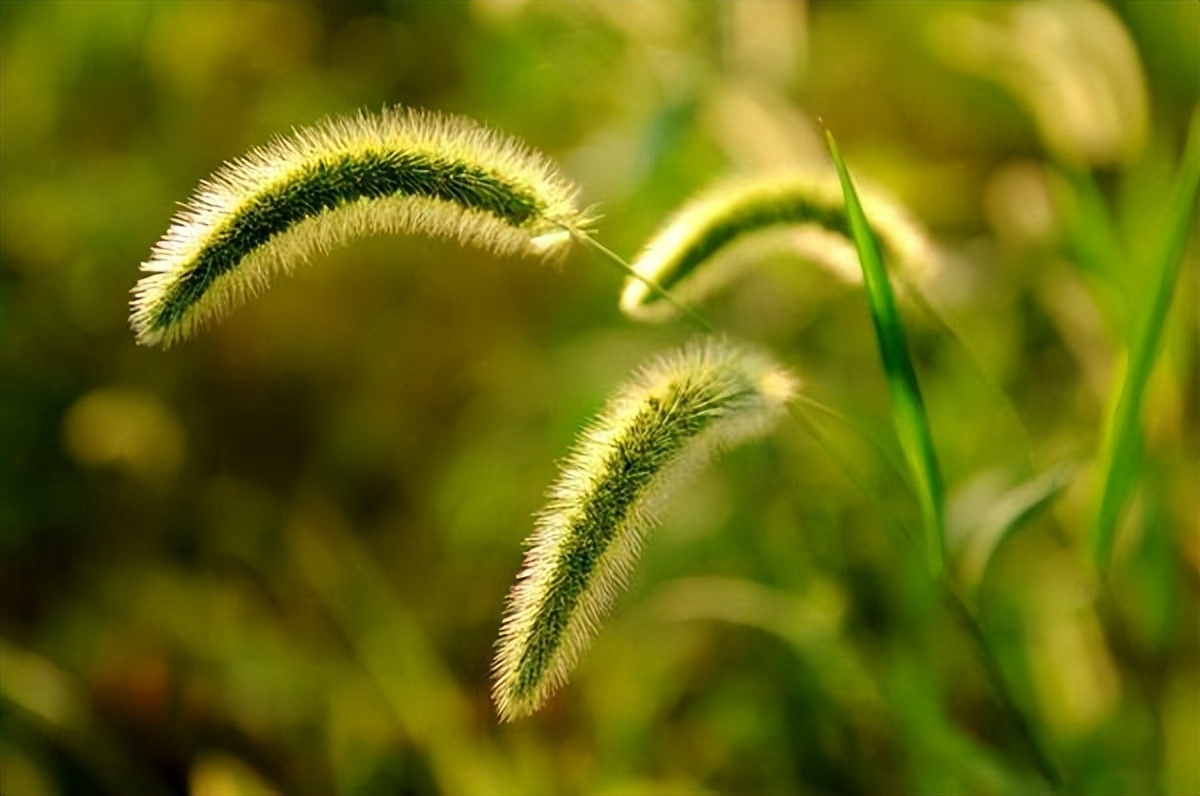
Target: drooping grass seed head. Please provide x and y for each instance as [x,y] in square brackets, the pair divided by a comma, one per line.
[402,171]
[735,223]
[668,420]
[1073,64]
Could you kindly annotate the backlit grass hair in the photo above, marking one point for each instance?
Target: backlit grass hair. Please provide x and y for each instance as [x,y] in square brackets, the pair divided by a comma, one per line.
[732,224]
[669,419]
[402,171]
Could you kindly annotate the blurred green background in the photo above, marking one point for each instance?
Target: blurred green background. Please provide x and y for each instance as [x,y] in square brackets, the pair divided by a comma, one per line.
[274,558]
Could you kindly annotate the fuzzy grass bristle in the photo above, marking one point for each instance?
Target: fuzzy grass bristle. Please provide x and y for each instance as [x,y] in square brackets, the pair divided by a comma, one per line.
[401,171]
[734,223]
[668,420]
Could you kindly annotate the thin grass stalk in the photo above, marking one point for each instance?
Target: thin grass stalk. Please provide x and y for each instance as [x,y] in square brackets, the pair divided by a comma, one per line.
[1042,757]
[651,284]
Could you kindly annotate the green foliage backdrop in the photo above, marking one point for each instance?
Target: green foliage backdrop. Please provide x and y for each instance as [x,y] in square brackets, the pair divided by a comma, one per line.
[274,558]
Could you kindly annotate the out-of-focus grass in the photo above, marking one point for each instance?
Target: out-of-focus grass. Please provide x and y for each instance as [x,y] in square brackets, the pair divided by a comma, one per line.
[1120,458]
[275,558]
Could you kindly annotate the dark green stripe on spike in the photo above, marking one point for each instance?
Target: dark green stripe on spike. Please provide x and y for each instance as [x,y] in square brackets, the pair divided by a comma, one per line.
[758,215]
[657,435]
[333,183]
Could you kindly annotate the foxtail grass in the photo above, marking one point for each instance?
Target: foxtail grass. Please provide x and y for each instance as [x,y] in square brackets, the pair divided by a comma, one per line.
[401,171]
[734,223]
[665,422]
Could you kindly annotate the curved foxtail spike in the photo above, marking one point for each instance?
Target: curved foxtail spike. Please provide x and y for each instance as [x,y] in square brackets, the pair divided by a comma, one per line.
[728,226]
[666,421]
[402,171]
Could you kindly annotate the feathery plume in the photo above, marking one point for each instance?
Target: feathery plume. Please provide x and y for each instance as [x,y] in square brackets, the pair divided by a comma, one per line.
[713,236]
[666,421]
[403,171]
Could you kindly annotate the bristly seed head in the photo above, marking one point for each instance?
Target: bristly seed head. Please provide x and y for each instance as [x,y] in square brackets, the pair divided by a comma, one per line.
[403,171]
[669,419]
[735,222]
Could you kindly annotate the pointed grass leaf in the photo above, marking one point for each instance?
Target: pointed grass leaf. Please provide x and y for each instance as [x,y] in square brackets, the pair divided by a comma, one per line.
[908,409]
[1121,449]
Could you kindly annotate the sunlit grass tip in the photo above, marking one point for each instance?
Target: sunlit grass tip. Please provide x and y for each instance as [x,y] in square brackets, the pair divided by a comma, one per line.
[665,422]
[734,223]
[401,171]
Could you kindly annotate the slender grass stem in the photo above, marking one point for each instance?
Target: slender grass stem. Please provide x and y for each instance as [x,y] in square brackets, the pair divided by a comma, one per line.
[1121,448]
[803,401]
[616,259]
[908,410]
[796,410]
[1090,228]
[934,314]
[1042,757]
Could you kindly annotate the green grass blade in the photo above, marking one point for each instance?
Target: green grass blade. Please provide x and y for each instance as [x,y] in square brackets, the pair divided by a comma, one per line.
[1094,243]
[973,544]
[1089,225]
[908,410]
[1122,441]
